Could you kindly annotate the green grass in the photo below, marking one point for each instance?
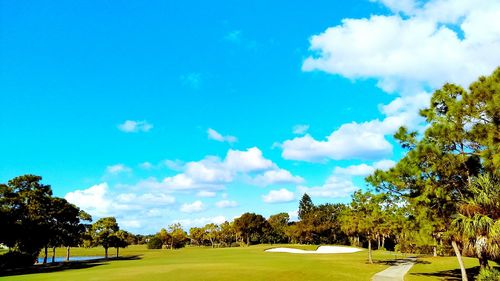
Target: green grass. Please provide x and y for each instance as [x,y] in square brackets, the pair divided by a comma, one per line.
[441,268]
[193,263]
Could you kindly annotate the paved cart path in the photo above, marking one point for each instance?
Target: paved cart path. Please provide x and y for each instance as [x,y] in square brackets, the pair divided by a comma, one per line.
[395,272]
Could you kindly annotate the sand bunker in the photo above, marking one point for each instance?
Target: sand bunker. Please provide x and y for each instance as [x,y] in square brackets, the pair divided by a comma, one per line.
[320,250]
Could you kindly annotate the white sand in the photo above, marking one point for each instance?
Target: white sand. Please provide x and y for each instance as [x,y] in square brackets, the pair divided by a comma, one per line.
[320,250]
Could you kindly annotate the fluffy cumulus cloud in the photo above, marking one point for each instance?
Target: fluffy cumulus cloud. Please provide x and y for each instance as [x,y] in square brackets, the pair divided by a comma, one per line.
[436,42]
[334,187]
[339,184]
[127,206]
[214,135]
[118,168]
[131,126]
[363,169]
[194,207]
[416,49]
[226,204]
[278,176]
[212,173]
[353,140]
[279,196]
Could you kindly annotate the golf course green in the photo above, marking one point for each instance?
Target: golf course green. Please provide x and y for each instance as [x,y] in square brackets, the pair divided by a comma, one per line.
[241,263]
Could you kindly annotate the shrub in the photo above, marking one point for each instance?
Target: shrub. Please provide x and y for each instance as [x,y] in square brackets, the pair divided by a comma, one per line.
[235,244]
[488,275]
[155,243]
[16,260]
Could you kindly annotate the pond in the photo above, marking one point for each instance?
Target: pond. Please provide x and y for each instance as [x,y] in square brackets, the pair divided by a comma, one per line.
[75,258]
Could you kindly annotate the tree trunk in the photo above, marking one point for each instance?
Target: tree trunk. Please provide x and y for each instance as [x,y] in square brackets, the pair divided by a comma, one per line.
[480,245]
[67,253]
[53,254]
[383,242]
[45,256]
[434,249]
[370,251]
[460,261]
[378,242]
[172,245]
[117,249]
[106,252]
[248,240]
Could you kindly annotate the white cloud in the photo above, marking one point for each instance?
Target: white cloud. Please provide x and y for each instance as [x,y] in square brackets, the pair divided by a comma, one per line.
[92,199]
[131,126]
[205,193]
[407,54]
[436,42]
[250,160]
[294,215]
[353,140]
[334,187]
[118,168]
[195,207]
[226,204]
[384,164]
[279,196]
[278,176]
[199,222]
[354,170]
[214,135]
[130,223]
[300,129]
[363,169]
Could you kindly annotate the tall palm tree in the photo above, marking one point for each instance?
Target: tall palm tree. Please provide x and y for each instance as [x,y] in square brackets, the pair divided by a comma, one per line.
[478,219]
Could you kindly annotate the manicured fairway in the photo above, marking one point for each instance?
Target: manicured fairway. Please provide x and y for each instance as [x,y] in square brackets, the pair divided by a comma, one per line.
[244,263]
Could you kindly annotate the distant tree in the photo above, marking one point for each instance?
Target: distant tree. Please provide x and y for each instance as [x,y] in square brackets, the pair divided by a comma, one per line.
[197,235]
[227,233]
[278,223]
[119,239]
[368,210]
[103,232]
[212,233]
[178,237]
[250,225]
[306,206]
[164,236]
[154,243]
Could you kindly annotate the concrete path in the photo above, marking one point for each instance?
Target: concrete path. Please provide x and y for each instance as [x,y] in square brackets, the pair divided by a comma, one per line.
[395,272]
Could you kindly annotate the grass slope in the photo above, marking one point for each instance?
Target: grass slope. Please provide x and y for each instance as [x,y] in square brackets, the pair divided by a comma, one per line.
[245,263]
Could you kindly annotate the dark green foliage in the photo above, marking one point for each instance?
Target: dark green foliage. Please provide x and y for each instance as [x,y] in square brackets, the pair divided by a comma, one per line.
[103,232]
[251,226]
[488,275]
[306,206]
[155,243]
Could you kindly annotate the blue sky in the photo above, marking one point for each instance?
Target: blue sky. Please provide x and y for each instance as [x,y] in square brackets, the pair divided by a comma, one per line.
[198,111]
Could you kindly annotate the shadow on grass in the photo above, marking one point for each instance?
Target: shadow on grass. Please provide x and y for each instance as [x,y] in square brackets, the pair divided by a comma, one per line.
[62,266]
[451,275]
[394,262]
